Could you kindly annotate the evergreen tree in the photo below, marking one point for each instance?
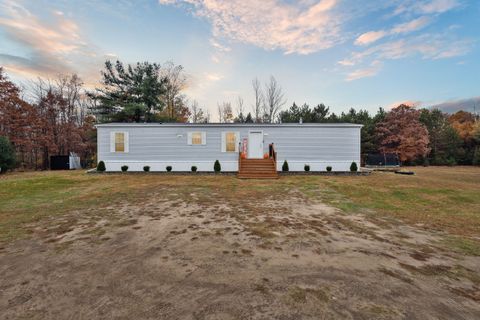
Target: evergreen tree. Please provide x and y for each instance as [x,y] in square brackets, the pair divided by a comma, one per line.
[445,142]
[7,155]
[131,93]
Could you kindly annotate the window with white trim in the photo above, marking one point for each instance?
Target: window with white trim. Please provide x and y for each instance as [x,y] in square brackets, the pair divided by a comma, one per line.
[119,141]
[230,141]
[197,138]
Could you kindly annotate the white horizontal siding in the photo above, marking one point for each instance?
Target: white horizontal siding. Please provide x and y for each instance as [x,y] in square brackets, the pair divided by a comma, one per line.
[314,145]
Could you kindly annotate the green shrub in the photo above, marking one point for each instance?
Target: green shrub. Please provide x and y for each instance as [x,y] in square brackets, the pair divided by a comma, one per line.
[306,168]
[354,167]
[329,168]
[124,168]
[426,162]
[169,168]
[217,167]
[285,166]
[7,155]
[451,162]
[194,169]
[146,168]
[476,157]
[101,166]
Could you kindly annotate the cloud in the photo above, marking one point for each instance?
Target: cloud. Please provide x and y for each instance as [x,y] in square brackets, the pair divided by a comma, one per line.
[213,76]
[51,48]
[219,47]
[411,26]
[452,106]
[346,62]
[426,6]
[436,6]
[370,37]
[370,71]
[426,46]
[271,24]
[410,103]
[403,28]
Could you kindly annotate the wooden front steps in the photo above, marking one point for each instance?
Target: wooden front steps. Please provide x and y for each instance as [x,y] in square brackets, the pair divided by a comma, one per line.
[257,169]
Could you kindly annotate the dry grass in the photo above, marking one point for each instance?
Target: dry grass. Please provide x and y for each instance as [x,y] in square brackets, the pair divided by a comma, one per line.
[209,247]
[441,198]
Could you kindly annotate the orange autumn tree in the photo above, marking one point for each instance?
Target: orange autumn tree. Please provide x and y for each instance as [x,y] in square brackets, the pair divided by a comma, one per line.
[53,124]
[19,122]
[402,133]
[464,123]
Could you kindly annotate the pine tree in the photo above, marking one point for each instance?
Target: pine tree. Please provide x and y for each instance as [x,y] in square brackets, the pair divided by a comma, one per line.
[7,155]
[130,93]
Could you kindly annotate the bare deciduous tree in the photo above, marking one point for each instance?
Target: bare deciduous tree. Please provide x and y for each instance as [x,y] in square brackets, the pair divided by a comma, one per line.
[274,100]
[72,91]
[197,113]
[207,116]
[257,107]
[225,112]
[240,117]
[176,81]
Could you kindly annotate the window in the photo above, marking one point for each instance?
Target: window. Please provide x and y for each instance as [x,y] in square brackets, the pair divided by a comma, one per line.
[231,141]
[119,142]
[196,138]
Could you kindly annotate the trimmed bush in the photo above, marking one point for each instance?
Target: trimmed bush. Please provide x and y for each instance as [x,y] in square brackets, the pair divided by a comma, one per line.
[124,168]
[194,169]
[329,168]
[217,167]
[353,167]
[146,168]
[101,166]
[7,155]
[169,168]
[285,166]
[306,168]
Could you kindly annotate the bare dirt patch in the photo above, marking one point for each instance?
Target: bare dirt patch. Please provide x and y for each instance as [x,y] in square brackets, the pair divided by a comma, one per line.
[194,254]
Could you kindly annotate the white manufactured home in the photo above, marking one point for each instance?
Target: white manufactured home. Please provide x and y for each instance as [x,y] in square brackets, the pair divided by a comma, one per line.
[182,146]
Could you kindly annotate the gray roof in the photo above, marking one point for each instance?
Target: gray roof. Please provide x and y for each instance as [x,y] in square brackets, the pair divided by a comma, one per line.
[159,125]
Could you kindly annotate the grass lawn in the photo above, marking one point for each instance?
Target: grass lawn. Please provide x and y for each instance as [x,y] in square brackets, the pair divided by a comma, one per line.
[440,198]
[146,246]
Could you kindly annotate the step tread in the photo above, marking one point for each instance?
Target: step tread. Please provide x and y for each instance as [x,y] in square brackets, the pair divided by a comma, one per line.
[259,173]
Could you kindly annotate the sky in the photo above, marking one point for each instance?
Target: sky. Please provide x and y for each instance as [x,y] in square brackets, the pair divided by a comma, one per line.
[343,53]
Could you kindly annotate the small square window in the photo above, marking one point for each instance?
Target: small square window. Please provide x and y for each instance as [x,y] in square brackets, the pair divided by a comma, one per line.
[196,138]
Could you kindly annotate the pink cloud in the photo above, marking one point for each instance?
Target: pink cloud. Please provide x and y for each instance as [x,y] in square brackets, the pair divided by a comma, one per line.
[370,37]
[54,48]
[271,24]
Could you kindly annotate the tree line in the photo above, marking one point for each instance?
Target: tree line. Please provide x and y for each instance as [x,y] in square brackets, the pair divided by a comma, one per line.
[425,136]
[53,119]
[57,116]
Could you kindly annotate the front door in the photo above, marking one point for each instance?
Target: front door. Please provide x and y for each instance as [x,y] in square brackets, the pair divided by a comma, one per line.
[255,145]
